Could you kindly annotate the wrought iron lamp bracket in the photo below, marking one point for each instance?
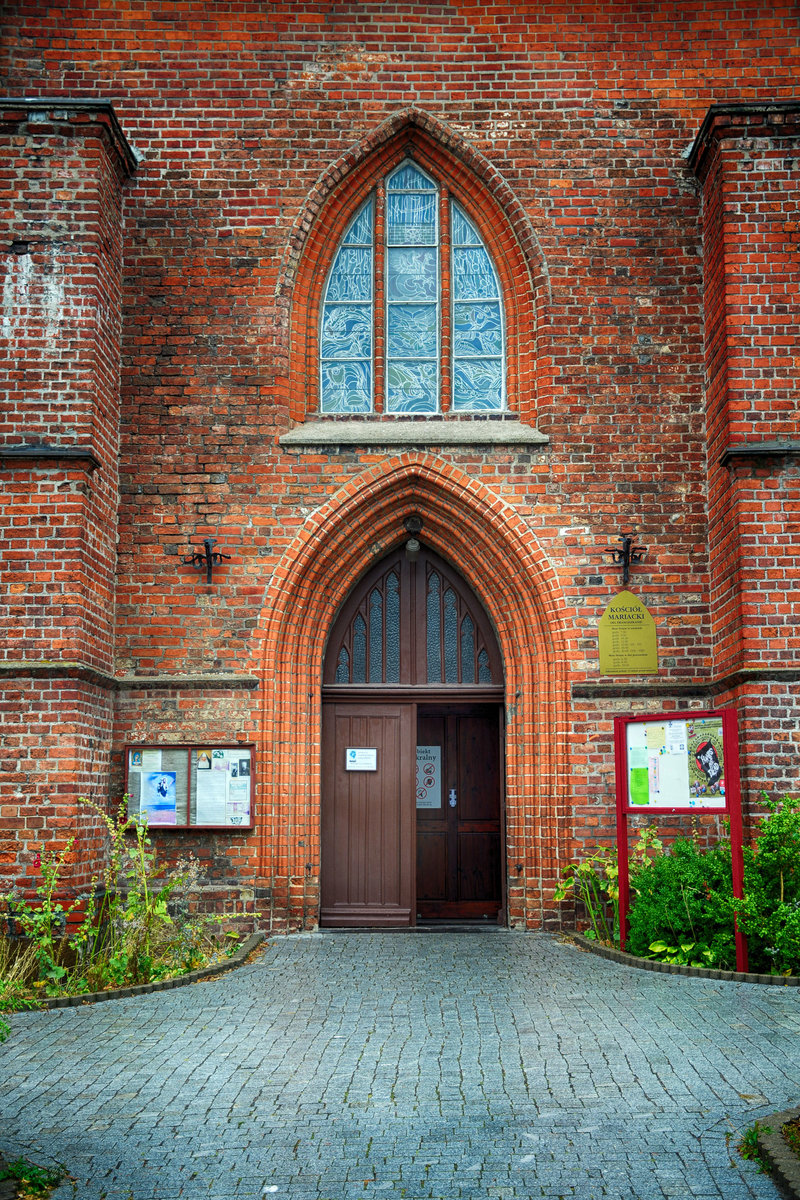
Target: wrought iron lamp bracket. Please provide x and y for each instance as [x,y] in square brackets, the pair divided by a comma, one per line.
[208,557]
[625,555]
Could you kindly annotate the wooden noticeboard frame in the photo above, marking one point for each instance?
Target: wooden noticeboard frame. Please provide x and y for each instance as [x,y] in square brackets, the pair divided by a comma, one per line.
[183,786]
[661,761]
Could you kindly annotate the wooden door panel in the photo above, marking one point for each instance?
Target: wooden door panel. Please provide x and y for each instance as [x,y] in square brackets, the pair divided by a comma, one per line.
[431,865]
[367,817]
[479,867]
[478,769]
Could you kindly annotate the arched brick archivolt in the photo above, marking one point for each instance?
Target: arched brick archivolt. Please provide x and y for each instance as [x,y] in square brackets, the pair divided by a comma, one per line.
[488,541]
[480,188]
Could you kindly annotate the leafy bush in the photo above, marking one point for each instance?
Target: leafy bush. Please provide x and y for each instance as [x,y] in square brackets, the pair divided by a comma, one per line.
[770,911]
[683,898]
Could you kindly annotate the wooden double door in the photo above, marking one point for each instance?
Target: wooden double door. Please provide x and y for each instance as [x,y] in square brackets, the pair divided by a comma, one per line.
[411,813]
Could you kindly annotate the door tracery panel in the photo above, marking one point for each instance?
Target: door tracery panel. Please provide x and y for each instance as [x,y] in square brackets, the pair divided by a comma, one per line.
[413,623]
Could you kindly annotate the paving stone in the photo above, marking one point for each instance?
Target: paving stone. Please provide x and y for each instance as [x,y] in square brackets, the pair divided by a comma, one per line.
[449,1066]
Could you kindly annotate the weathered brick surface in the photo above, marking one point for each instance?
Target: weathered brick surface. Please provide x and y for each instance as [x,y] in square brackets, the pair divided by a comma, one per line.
[651,310]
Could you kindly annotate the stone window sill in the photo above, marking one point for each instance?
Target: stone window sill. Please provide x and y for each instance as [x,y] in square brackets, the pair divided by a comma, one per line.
[424,431]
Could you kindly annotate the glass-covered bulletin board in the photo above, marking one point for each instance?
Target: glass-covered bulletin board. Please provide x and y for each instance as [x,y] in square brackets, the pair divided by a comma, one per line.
[678,762]
[187,787]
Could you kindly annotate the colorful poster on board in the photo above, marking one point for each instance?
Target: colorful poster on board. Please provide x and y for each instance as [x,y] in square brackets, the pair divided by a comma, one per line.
[158,800]
[676,764]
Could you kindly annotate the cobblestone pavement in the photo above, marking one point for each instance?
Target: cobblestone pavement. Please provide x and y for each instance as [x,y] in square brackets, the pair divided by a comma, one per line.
[463,1064]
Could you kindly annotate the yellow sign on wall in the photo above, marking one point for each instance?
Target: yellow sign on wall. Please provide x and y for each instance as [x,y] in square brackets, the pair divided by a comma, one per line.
[627,634]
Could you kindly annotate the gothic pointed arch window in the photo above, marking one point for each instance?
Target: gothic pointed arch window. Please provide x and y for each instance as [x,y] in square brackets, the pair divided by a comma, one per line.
[412,317]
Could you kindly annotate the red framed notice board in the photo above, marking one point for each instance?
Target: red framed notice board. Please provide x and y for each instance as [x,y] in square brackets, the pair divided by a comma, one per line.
[685,762]
[191,787]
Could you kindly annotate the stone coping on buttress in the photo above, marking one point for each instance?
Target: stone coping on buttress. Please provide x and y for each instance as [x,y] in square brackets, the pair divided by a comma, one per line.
[649,964]
[777,1156]
[162,985]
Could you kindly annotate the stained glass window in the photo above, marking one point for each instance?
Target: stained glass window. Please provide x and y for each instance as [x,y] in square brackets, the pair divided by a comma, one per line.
[388,357]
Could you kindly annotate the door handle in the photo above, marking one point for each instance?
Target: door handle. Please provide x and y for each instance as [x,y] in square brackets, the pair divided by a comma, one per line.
[452,797]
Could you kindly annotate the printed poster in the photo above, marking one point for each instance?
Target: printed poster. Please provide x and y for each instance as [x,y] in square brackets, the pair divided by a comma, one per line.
[223,788]
[158,803]
[429,777]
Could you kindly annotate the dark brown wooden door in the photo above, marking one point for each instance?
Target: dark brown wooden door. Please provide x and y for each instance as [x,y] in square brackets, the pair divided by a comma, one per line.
[459,843]
[368,816]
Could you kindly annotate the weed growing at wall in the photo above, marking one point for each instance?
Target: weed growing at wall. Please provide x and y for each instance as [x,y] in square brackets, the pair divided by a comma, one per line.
[137,926]
[594,881]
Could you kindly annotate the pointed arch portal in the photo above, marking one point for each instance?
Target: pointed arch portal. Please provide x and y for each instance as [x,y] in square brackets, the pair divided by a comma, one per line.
[411,750]
[505,578]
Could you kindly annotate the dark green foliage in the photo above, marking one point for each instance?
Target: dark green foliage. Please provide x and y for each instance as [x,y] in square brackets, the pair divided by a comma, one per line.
[770,913]
[684,897]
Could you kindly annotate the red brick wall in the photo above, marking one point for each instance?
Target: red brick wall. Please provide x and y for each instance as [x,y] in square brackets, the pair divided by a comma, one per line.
[748,162]
[55,747]
[61,183]
[257,126]
[62,175]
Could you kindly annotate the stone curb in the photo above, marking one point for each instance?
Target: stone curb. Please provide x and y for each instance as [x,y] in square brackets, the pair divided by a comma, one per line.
[648,964]
[162,985]
[783,1163]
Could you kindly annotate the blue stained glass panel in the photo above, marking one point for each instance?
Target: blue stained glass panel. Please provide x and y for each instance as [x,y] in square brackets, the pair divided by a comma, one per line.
[360,232]
[467,651]
[392,629]
[375,637]
[411,386]
[473,275]
[450,637]
[484,670]
[433,637]
[343,667]
[412,331]
[346,387]
[410,219]
[346,331]
[478,383]
[359,650]
[477,330]
[463,232]
[408,178]
[351,277]
[411,275]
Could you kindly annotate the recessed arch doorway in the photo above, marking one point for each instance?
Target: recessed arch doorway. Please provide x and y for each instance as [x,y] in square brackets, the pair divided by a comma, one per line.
[412,751]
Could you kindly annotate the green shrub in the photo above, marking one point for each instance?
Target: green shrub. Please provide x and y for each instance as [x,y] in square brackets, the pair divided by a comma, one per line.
[770,911]
[684,897]
[137,926]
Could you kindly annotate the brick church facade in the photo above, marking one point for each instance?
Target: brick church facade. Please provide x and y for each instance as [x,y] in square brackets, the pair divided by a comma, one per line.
[416,310]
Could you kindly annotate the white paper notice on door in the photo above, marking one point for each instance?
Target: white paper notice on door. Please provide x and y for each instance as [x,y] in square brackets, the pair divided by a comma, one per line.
[429,776]
[361,758]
